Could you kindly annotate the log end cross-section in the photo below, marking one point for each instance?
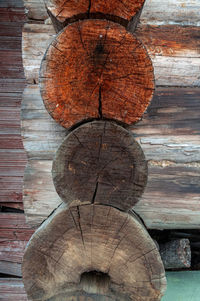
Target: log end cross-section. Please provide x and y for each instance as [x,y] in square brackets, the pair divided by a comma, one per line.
[100,162]
[65,9]
[96,69]
[92,252]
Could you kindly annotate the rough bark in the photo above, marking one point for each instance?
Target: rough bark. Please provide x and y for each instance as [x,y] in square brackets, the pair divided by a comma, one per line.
[100,162]
[96,69]
[176,254]
[92,238]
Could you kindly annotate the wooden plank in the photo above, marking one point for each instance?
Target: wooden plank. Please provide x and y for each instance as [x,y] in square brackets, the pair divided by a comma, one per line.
[32,51]
[13,14]
[172,56]
[180,12]
[14,235]
[39,191]
[12,289]
[35,9]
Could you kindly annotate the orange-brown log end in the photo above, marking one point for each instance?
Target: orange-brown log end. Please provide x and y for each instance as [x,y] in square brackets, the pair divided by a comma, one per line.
[96,69]
[64,9]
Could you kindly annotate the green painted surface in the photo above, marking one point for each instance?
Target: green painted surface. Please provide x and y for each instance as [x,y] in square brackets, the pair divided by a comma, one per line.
[183,286]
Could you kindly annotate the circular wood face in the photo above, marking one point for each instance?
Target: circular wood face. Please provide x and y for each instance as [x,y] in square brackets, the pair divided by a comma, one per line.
[96,69]
[100,162]
[63,9]
[86,238]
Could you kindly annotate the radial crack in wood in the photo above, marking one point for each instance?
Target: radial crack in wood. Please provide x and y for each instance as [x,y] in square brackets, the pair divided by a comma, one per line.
[97,239]
[119,10]
[95,69]
[100,162]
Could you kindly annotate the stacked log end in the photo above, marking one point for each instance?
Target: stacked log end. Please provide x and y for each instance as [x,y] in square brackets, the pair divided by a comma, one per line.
[119,10]
[100,162]
[96,69]
[92,238]
[90,249]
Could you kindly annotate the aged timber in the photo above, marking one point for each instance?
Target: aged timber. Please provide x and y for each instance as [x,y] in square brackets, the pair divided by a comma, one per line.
[96,69]
[100,163]
[93,238]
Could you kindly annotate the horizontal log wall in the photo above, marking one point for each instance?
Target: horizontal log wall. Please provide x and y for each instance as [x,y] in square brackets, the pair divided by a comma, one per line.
[176,61]
[169,138]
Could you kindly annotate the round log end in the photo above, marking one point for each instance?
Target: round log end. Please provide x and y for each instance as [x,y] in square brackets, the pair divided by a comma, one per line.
[65,9]
[100,162]
[96,69]
[92,251]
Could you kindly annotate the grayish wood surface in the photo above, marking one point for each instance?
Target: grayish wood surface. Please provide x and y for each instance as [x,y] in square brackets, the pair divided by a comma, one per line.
[85,238]
[169,136]
[100,163]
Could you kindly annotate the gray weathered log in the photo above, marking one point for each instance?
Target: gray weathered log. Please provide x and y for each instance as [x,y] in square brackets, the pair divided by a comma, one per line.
[168,135]
[101,163]
[92,238]
[176,254]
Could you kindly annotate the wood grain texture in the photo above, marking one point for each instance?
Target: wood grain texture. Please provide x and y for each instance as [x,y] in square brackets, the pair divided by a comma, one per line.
[12,82]
[100,163]
[124,9]
[35,40]
[12,289]
[172,58]
[14,235]
[93,238]
[169,138]
[35,9]
[155,12]
[96,69]
[168,131]
[177,12]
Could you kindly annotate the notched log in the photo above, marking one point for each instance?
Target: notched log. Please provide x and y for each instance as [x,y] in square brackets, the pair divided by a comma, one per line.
[65,12]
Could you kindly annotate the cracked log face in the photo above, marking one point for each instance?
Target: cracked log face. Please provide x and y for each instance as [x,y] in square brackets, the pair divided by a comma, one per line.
[64,9]
[97,239]
[100,162]
[96,69]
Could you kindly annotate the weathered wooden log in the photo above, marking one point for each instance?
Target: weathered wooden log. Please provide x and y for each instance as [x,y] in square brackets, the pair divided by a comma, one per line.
[176,254]
[63,12]
[96,69]
[92,238]
[100,162]
[168,135]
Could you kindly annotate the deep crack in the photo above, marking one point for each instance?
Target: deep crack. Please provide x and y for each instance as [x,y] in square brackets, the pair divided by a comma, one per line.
[100,104]
[95,193]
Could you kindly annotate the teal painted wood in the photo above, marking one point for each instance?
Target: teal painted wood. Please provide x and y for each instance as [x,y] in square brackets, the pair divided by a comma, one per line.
[183,286]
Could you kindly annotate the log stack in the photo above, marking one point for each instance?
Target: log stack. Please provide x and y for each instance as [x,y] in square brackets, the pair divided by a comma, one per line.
[91,247]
